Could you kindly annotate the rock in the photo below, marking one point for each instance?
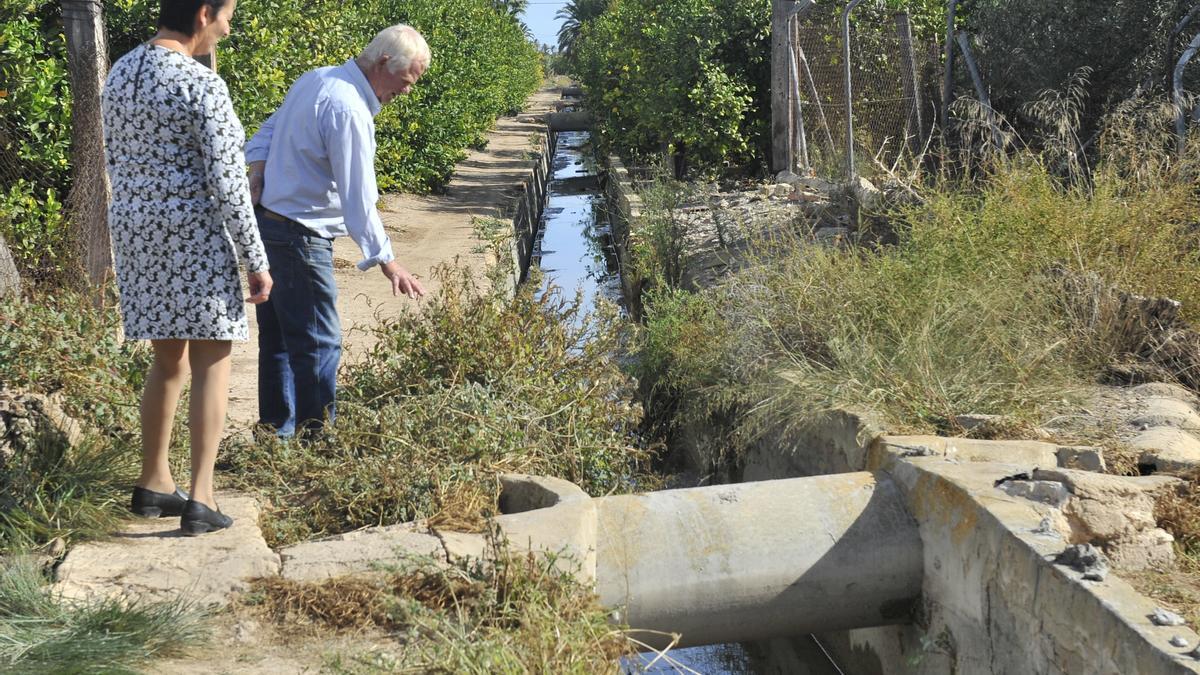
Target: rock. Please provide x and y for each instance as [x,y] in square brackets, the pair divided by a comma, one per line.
[1166,412]
[56,547]
[151,558]
[26,418]
[358,551]
[1083,458]
[1179,641]
[1195,653]
[1084,558]
[864,192]
[1151,548]
[1166,390]
[832,236]
[1165,617]
[1117,514]
[1046,492]
[1168,449]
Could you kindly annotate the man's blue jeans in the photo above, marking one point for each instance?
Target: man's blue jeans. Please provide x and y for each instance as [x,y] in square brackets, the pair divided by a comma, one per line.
[299,333]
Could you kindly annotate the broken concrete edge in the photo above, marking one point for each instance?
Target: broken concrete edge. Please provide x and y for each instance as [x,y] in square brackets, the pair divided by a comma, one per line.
[951,500]
[561,527]
[151,560]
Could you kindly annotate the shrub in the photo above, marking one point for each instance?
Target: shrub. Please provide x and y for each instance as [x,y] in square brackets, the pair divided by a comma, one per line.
[35,115]
[473,386]
[963,315]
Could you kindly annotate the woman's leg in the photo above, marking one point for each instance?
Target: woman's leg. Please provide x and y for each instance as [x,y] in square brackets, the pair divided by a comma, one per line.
[211,363]
[160,397]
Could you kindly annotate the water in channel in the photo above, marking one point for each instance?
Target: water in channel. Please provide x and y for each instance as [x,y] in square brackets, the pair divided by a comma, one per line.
[573,249]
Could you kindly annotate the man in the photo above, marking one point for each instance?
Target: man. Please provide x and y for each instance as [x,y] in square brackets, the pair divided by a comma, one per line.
[312,178]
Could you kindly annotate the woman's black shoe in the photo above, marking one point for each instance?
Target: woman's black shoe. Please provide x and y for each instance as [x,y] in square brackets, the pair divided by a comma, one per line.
[198,519]
[151,504]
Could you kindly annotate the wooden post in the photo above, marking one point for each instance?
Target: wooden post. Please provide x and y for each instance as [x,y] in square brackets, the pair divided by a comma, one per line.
[908,77]
[10,279]
[87,57]
[781,106]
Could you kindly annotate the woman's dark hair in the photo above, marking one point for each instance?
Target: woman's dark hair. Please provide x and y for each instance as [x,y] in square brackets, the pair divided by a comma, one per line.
[180,15]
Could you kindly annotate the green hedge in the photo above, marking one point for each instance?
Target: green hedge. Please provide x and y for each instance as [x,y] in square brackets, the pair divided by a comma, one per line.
[483,67]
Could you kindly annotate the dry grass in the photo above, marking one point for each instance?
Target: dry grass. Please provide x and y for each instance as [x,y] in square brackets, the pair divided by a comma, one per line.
[514,614]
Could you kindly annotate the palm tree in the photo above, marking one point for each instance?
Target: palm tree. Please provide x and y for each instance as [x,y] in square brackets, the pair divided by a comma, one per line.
[575,14]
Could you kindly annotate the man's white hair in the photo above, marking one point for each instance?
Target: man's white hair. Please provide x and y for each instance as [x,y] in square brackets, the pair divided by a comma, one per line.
[402,44]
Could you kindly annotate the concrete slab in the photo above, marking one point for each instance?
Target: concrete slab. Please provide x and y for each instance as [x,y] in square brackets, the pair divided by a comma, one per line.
[153,559]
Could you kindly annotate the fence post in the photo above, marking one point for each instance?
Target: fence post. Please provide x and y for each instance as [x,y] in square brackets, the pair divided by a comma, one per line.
[782,124]
[851,173]
[10,279]
[87,58]
[948,79]
[908,76]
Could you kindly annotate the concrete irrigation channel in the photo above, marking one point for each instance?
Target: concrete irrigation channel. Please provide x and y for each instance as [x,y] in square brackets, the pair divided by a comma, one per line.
[901,555]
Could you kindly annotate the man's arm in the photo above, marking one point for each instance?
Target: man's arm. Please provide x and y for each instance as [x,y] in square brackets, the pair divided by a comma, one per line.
[257,150]
[350,141]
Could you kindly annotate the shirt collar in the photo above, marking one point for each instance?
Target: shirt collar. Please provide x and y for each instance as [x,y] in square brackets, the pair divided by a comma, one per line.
[359,78]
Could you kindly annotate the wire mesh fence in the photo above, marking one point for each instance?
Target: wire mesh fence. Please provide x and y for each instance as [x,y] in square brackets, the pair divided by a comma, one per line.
[892,81]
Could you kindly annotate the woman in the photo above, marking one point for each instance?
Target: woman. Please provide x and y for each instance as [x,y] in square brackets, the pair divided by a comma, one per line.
[180,215]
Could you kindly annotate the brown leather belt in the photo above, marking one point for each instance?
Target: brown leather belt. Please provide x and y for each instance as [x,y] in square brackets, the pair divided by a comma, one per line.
[271,215]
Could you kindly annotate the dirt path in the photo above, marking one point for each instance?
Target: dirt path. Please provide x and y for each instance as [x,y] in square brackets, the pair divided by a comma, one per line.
[426,231]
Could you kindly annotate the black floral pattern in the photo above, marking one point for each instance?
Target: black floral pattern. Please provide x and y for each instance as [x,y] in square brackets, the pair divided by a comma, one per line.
[180,213]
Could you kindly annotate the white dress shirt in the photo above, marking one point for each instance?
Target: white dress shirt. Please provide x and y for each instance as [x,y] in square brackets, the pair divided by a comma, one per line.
[320,152]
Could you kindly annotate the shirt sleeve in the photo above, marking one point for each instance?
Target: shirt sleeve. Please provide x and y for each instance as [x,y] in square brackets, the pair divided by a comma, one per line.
[260,144]
[350,141]
[221,139]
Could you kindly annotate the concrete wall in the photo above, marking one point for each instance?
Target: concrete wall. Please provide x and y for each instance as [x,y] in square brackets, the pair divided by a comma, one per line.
[993,600]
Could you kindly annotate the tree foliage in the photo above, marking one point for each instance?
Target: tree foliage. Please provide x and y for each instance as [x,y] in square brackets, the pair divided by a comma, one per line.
[483,66]
[690,76]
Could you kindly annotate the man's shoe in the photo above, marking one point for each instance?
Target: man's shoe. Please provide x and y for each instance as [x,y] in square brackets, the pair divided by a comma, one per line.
[198,519]
[151,504]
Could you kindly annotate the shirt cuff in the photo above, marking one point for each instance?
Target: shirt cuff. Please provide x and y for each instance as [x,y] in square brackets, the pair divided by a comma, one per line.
[257,154]
[382,258]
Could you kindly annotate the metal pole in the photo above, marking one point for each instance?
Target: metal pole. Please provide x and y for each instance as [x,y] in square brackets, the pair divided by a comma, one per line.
[795,13]
[908,76]
[1177,91]
[948,80]
[812,86]
[1179,27]
[801,137]
[980,90]
[850,171]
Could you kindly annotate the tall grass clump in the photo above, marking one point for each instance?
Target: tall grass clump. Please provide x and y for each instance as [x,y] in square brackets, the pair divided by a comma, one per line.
[474,385]
[967,313]
[515,614]
[43,633]
[65,347]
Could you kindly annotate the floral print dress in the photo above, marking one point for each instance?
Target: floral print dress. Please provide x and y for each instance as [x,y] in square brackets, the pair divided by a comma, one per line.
[180,213]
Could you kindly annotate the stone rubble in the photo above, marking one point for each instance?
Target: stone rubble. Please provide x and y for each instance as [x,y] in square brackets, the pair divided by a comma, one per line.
[1165,617]
[1084,558]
